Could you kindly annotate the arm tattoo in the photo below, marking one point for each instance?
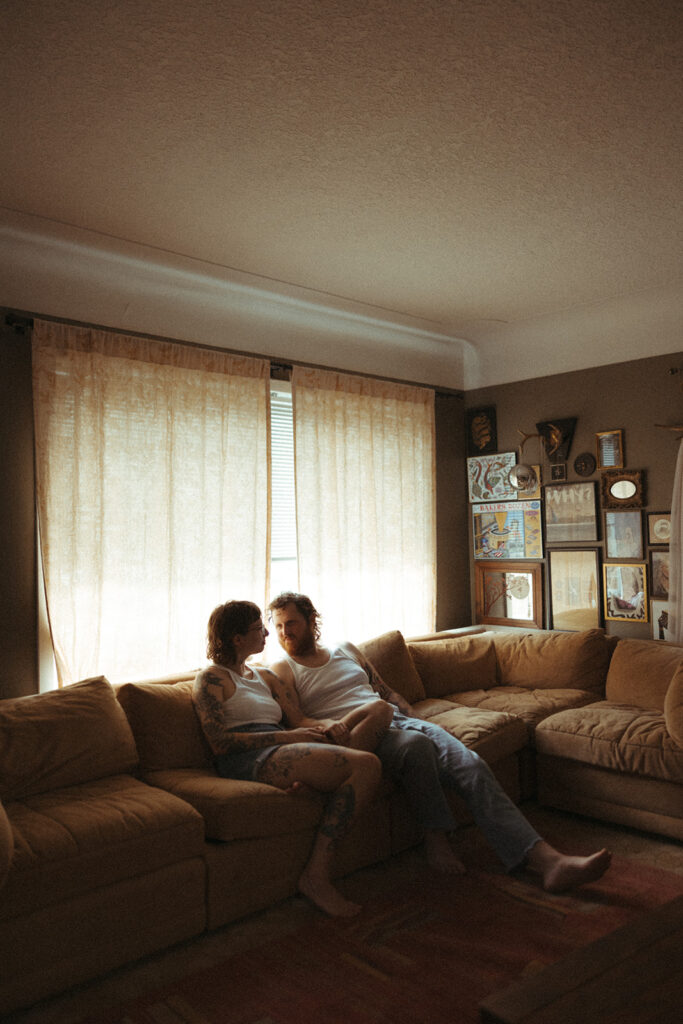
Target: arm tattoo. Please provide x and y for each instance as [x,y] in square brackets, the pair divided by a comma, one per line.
[208,702]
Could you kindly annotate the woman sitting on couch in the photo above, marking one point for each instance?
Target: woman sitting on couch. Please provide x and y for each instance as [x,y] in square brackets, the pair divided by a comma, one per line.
[243,726]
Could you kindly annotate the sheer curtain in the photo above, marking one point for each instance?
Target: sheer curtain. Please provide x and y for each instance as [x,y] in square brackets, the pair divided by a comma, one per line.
[676,553]
[152,483]
[365,495]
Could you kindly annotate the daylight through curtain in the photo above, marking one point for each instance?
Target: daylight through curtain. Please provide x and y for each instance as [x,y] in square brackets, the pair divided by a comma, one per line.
[152,483]
[365,499]
[676,553]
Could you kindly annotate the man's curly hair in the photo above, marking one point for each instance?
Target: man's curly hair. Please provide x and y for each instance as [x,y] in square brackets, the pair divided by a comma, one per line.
[303,605]
[225,622]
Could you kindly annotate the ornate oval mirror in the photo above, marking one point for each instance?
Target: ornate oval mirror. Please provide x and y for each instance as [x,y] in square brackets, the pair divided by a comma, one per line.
[623,489]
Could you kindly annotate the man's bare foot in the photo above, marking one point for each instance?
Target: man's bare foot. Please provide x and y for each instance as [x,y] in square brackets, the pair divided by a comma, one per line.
[440,854]
[321,892]
[560,871]
[569,872]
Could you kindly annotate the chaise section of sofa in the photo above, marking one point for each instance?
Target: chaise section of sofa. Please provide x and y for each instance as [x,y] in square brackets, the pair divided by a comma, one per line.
[99,868]
[621,759]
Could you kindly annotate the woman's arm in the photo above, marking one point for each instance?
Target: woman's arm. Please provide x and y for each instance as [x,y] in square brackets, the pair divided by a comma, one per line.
[208,698]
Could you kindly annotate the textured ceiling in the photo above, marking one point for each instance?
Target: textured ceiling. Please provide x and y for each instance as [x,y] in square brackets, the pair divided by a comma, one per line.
[471,165]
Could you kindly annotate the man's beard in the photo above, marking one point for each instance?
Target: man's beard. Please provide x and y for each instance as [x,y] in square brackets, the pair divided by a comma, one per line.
[299,648]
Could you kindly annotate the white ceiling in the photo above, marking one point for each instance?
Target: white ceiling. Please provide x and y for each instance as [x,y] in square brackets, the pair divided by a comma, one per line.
[462,192]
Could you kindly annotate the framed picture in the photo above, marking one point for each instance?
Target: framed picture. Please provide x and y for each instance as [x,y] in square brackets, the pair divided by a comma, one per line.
[482,437]
[658,527]
[624,534]
[509,594]
[558,471]
[610,449]
[507,529]
[659,575]
[487,477]
[557,437]
[659,617]
[570,512]
[625,591]
[621,488]
[574,588]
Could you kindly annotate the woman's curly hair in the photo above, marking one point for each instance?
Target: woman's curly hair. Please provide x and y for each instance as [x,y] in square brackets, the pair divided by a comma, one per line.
[225,622]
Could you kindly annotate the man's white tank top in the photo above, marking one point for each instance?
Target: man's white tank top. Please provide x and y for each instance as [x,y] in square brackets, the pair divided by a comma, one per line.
[251,702]
[332,689]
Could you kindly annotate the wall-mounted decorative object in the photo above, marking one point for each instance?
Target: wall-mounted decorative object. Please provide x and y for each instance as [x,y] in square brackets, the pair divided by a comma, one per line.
[624,534]
[487,477]
[584,464]
[658,527]
[625,591]
[574,588]
[659,575]
[558,471]
[621,488]
[507,529]
[570,512]
[659,617]
[482,436]
[557,438]
[509,593]
[610,449]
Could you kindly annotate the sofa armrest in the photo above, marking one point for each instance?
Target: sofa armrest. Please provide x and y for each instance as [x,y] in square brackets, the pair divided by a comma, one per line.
[673,707]
[6,845]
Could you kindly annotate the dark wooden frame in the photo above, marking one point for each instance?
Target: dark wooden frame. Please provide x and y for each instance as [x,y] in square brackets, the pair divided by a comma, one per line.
[484,569]
[553,587]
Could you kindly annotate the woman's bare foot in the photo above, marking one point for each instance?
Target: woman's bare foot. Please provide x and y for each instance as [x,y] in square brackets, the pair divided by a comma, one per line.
[560,871]
[440,854]
[321,892]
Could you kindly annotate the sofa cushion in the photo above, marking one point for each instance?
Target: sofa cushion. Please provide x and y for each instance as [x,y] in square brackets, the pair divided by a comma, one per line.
[640,672]
[6,845]
[63,738]
[447,666]
[532,706]
[493,735]
[166,728]
[236,809]
[79,838]
[620,737]
[389,655]
[548,660]
[673,706]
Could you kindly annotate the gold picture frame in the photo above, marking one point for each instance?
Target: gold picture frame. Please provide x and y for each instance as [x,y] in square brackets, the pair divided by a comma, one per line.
[625,591]
[509,593]
[610,449]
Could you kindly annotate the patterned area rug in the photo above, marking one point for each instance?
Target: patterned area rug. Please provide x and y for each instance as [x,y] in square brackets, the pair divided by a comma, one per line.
[429,953]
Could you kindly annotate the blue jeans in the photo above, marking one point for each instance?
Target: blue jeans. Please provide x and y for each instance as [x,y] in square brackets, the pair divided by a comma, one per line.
[425,760]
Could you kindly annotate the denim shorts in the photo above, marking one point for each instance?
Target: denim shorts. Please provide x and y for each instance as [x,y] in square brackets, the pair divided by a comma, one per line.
[247,764]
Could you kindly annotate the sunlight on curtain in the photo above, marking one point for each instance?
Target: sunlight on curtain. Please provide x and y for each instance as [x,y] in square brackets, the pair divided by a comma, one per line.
[365,487]
[152,482]
[676,553]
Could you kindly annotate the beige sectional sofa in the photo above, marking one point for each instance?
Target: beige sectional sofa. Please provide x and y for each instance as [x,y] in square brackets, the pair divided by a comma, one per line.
[117,838]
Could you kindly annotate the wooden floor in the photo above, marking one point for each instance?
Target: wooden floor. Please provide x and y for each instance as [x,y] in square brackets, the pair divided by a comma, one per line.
[127,983]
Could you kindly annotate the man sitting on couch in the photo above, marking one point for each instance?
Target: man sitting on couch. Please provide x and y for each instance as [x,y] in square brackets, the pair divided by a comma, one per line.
[322,685]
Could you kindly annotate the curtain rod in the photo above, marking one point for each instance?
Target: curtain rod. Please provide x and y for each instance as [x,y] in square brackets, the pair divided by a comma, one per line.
[23,321]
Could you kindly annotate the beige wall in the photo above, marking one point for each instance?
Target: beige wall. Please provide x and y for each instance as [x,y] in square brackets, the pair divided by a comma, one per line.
[632,396]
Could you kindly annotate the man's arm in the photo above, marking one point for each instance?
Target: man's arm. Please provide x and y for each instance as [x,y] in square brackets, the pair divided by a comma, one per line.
[381,688]
[208,699]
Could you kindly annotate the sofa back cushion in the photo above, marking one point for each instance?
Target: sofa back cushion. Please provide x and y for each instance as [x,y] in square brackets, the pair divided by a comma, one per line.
[63,738]
[640,672]
[452,666]
[389,655]
[166,728]
[673,706]
[546,660]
